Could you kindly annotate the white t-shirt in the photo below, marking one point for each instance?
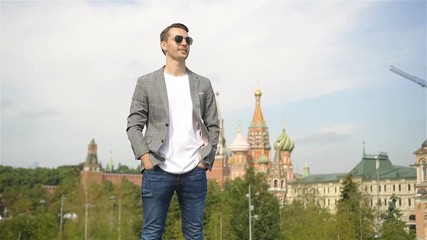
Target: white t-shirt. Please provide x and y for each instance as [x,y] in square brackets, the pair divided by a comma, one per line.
[182,144]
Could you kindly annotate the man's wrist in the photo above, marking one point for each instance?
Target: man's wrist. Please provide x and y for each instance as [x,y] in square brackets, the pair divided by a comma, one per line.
[201,165]
[146,161]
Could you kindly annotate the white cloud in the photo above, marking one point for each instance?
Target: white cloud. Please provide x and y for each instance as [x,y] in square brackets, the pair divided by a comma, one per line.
[329,135]
[81,59]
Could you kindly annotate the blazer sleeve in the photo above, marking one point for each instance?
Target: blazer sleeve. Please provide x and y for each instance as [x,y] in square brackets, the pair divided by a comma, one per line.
[137,119]
[210,119]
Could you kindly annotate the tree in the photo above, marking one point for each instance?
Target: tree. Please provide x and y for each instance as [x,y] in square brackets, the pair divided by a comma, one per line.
[353,207]
[393,228]
[266,206]
[306,219]
[218,214]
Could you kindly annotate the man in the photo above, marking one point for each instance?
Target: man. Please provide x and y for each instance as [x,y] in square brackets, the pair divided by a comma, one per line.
[177,109]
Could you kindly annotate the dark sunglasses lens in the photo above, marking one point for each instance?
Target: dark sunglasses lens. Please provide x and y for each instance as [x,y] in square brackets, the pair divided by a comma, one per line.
[189,40]
[178,38]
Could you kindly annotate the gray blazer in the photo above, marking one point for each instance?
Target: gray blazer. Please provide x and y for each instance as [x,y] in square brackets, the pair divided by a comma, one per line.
[149,109]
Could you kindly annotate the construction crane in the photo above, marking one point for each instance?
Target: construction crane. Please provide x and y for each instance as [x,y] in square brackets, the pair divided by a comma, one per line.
[406,75]
[416,80]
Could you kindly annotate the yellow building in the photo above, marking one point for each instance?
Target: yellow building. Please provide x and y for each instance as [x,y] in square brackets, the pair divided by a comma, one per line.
[393,179]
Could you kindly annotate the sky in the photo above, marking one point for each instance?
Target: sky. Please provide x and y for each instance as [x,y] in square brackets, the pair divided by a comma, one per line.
[69,69]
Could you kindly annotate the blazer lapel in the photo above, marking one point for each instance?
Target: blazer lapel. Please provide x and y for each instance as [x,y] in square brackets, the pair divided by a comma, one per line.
[161,87]
[194,90]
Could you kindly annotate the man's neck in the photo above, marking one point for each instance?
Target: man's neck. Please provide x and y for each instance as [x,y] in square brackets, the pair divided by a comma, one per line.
[175,68]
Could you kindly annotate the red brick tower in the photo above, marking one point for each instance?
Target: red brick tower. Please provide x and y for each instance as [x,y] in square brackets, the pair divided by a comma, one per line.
[258,136]
[421,187]
[220,170]
[91,169]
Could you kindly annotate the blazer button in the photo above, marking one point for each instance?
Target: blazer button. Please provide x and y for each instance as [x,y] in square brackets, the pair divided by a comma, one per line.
[167,124]
[163,141]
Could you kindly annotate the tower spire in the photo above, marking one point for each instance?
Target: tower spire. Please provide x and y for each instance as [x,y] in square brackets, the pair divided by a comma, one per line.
[258,117]
[258,136]
[91,163]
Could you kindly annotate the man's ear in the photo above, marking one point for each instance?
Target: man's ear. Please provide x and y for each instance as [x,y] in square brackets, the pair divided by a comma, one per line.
[163,45]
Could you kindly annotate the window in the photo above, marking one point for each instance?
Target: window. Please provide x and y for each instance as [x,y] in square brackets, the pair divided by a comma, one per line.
[424,169]
[379,188]
[385,188]
[400,202]
[400,188]
[409,202]
[371,188]
[409,187]
[394,188]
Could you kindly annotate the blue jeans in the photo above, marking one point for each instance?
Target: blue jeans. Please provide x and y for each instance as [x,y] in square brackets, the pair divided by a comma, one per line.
[157,190]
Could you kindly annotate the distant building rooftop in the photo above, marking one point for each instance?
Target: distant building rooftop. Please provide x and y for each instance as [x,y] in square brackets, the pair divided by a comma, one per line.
[366,169]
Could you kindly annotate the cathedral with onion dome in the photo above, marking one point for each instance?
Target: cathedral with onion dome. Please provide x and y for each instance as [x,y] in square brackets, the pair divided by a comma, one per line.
[375,173]
[254,150]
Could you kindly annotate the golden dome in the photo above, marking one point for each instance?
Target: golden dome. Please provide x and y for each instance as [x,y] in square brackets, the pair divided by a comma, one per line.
[258,92]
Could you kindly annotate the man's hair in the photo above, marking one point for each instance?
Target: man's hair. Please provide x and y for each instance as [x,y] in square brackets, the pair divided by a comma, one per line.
[165,33]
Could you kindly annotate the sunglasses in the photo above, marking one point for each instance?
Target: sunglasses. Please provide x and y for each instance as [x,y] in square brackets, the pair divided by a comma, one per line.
[179,38]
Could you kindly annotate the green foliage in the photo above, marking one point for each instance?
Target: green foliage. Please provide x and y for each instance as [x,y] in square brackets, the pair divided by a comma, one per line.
[126,169]
[266,206]
[394,229]
[218,214]
[353,206]
[30,177]
[107,211]
[38,227]
[297,216]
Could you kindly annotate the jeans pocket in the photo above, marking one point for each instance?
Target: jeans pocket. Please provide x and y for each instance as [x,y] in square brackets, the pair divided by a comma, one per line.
[145,170]
[201,169]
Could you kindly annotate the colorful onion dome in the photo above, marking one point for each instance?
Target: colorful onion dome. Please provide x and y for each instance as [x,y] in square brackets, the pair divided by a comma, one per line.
[263,159]
[284,143]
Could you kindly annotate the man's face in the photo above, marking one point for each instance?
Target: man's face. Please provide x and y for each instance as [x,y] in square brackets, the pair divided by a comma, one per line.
[174,50]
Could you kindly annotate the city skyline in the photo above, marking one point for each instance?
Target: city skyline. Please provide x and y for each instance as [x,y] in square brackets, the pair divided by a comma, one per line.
[68,70]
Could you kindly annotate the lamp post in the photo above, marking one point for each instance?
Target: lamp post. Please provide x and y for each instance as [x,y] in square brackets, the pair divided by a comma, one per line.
[251,208]
[119,215]
[377,166]
[250,212]
[42,202]
[61,217]
[86,214]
